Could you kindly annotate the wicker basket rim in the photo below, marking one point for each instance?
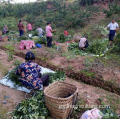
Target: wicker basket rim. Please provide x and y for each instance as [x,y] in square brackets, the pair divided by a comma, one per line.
[56,98]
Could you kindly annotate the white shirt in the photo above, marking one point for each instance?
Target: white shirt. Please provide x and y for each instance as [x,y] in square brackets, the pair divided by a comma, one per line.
[39,30]
[82,42]
[113,26]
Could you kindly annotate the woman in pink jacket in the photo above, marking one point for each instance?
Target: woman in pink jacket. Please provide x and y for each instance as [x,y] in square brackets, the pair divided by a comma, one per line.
[29,27]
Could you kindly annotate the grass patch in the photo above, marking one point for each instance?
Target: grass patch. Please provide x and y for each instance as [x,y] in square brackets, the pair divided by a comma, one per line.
[88,73]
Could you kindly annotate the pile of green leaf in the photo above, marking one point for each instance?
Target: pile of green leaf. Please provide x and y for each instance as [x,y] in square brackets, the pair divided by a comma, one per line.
[58,76]
[12,74]
[32,108]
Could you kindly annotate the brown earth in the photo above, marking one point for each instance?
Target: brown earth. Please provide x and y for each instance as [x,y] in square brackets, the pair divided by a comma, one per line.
[9,97]
[89,93]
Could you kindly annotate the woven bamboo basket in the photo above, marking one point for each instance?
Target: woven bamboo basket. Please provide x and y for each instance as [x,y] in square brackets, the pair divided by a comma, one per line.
[60,98]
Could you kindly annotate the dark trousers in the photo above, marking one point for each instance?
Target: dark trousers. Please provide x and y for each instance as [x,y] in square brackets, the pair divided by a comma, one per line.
[45,79]
[21,32]
[49,41]
[112,35]
[87,44]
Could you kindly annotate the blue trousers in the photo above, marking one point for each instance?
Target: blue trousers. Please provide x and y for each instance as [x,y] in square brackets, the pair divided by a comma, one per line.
[112,35]
[21,32]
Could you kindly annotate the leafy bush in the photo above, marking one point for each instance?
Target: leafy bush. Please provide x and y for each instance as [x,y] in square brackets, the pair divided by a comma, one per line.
[98,47]
[103,30]
[114,8]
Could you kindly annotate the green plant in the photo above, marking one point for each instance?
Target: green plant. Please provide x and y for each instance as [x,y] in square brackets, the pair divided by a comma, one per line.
[88,73]
[41,40]
[98,47]
[10,56]
[57,76]
[114,8]
[32,108]
[17,63]
[74,48]
[9,47]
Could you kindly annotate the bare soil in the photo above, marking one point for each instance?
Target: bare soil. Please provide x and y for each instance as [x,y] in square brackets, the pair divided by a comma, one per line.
[9,97]
[89,93]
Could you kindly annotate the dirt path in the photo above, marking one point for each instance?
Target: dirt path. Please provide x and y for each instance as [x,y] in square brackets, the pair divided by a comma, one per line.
[91,95]
[9,97]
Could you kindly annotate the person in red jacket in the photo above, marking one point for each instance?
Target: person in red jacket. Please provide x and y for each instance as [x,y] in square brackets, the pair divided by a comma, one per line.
[66,33]
[21,28]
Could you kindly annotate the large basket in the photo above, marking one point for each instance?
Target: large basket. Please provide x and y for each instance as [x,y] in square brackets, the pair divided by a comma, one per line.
[60,98]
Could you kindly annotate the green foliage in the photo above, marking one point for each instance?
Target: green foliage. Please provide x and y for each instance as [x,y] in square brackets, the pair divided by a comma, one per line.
[87,2]
[58,76]
[98,47]
[32,108]
[17,62]
[12,74]
[59,13]
[114,8]
[74,48]
[9,47]
[24,37]
[9,21]
[10,55]
[103,30]
[88,73]
[41,40]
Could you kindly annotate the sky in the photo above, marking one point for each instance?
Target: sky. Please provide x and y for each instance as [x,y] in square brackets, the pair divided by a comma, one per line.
[24,1]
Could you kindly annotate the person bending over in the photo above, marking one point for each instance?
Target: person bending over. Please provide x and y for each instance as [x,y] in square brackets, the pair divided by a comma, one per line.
[83,43]
[30,75]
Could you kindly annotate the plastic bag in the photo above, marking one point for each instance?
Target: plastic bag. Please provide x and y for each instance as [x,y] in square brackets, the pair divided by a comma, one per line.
[92,114]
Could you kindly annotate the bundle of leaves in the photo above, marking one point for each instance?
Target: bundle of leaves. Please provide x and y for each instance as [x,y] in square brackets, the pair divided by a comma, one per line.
[13,77]
[58,76]
[32,108]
